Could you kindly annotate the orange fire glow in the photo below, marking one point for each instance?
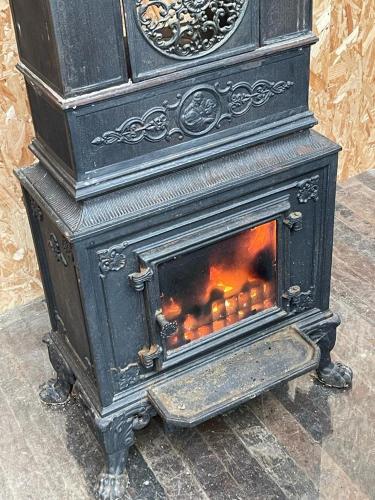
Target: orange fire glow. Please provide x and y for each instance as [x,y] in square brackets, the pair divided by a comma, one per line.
[240,281]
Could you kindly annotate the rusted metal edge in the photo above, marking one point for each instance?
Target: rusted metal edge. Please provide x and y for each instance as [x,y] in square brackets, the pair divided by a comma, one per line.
[130,87]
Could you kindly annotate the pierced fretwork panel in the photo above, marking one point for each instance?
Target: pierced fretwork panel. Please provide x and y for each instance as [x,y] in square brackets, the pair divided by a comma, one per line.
[188,28]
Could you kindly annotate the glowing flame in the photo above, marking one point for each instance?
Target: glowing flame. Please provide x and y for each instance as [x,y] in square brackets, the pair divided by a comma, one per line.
[238,285]
[171,309]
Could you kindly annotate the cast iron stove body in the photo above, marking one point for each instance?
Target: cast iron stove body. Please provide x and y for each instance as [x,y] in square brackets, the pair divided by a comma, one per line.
[182,207]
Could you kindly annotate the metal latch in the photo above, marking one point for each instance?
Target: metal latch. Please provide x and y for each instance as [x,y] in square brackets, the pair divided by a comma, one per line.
[167,328]
[292,293]
[138,280]
[294,221]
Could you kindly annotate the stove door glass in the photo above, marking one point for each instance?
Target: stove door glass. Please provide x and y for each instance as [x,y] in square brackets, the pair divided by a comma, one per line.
[216,286]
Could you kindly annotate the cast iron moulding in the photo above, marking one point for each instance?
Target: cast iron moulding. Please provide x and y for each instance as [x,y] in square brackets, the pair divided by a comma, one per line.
[182,209]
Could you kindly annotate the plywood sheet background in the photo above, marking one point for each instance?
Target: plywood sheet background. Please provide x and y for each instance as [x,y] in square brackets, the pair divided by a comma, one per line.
[19,279]
[342,96]
[343,79]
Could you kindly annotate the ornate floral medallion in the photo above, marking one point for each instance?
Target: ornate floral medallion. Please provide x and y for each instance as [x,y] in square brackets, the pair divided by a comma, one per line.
[188,28]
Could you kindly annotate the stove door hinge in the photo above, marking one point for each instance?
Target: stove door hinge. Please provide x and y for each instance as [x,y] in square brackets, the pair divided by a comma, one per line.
[148,356]
[294,221]
[138,280]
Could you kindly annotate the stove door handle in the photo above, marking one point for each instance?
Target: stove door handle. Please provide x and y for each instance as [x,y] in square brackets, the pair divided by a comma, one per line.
[167,328]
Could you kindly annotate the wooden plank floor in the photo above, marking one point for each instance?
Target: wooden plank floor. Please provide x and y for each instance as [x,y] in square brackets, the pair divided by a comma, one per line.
[300,441]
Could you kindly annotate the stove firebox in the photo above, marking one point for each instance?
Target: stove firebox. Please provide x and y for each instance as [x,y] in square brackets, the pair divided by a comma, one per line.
[182,219]
[216,286]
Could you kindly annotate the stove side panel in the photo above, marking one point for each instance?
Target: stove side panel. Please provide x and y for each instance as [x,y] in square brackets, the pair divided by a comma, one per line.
[57,263]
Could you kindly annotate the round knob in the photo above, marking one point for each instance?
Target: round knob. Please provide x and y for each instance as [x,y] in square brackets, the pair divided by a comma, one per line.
[294,291]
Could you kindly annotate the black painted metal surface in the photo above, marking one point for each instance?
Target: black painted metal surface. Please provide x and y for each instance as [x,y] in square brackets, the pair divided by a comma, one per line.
[124,139]
[59,41]
[287,18]
[99,262]
[74,47]
[220,30]
[133,175]
[97,244]
[181,104]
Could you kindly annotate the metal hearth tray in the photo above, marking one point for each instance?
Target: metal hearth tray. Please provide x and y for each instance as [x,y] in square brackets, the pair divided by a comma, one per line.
[203,393]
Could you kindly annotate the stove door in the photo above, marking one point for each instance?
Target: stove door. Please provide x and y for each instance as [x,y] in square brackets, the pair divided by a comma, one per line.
[169,35]
[215,283]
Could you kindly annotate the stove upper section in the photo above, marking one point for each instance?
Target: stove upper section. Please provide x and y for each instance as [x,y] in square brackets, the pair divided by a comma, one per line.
[81,47]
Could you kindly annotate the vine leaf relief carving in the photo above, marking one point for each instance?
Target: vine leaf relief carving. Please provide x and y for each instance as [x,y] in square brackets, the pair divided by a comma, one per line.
[153,126]
[186,29]
[195,113]
[112,259]
[36,210]
[63,252]
[302,302]
[308,189]
[127,376]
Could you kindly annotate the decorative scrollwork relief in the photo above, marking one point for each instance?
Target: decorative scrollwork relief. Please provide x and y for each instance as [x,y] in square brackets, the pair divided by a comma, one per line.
[152,126]
[118,430]
[187,29]
[127,376]
[62,252]
[302,302]
[112,259]
[194,113]
[245,95]
[36,210]
[308,189]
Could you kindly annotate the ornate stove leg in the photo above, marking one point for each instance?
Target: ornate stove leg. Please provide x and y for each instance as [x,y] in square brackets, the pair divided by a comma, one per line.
[116,434]
[113,481]
[329,373]
[57,391]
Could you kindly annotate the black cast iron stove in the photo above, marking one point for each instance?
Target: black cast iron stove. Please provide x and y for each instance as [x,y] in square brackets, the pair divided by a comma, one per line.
[182,207]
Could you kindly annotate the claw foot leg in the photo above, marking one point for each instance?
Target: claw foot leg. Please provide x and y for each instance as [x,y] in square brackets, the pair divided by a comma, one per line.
[113,481]
[329,373]
[336,375]
[116,435]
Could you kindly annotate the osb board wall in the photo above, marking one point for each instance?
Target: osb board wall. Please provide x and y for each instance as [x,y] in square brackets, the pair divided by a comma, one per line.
[343,97]
[19,279]
[343,79]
